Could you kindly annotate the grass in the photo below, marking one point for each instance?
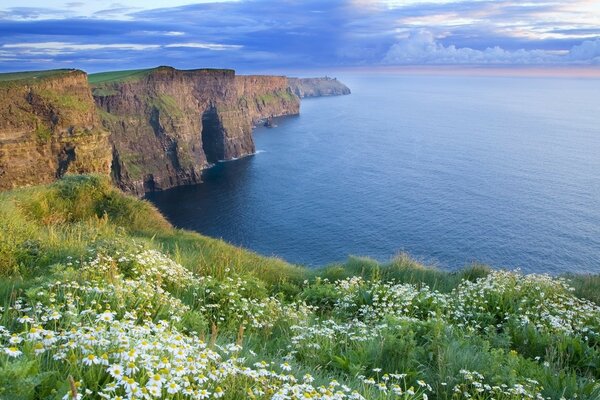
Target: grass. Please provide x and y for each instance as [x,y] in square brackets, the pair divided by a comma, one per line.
[44,224]
[279,96]
[165,104]
[80,257]
[43,134]
[118,76]
[33,75]
[136,74]
[65,101]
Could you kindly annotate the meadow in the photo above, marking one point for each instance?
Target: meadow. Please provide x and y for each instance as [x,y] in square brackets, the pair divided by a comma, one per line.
[101,298]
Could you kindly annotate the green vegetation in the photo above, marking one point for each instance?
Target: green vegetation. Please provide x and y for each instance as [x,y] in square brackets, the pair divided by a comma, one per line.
[102,298]
[118,76]
[136,74]
[104,92]
[64,101]
[165,104]
[43,134]
[33,75]
[271,98]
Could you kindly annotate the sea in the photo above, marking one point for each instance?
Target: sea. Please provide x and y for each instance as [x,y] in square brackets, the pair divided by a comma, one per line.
[452,170]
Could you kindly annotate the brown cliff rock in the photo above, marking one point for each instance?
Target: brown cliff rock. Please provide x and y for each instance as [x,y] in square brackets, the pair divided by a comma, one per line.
[49,127]
[168,125]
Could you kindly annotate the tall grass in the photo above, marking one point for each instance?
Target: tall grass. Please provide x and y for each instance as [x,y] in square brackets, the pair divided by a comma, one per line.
[355,322]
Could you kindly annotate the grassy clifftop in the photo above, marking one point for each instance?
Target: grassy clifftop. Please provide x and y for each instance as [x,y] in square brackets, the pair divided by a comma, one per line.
[34,75]
[100,297]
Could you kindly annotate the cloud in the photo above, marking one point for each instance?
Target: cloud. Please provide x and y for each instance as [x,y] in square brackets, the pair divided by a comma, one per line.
[275,34]
[66,48]
[207,46]
[588,51]
[421,48]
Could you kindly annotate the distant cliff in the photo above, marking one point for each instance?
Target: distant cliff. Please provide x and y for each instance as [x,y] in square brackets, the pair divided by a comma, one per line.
[150,129]
[168,125]
[316,87]
[48,127]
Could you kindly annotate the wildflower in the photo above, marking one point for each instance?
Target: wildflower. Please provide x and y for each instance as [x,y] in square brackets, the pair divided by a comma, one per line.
[106,316]
[286,367]
[116,371]
[172,388]
[91,359]
[13,352]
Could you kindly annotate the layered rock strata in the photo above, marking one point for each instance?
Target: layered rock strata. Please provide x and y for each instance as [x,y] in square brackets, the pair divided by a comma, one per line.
[49,127]
[168,125]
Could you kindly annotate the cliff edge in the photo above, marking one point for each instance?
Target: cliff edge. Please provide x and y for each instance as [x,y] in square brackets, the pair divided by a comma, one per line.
[167,125]
[49,127]
[317,87]
[150,129]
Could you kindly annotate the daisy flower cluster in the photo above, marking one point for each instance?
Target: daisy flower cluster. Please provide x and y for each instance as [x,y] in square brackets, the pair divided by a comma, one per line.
[112,333]
[372,301]
[541,301]
[474,386]
[244,302]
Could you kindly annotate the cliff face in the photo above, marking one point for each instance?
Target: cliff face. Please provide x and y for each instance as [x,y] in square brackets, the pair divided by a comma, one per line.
[150,129]
[316,87]
[49,127]
[168,125]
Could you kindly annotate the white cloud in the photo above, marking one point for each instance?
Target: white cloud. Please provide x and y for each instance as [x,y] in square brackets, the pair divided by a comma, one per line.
[421,47]
[587,51]
[47,9]
[66,48]
[207,46]
[57,48]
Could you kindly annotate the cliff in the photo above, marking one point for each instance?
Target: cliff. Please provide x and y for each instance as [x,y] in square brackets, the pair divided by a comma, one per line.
[150,129]
[49,127]
[168,125]
[316,87]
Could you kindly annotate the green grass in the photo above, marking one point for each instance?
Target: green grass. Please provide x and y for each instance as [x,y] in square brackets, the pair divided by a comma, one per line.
[33,75]
[65,101]
[136,74]
[41,225]
[118,76]
[43,134]
[166,104]
[104,92]
[80,248]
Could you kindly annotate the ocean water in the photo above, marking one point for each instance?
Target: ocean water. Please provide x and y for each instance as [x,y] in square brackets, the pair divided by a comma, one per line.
[452,170]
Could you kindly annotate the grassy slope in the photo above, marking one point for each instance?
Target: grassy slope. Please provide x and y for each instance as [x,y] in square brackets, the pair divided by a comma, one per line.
[42,225]
[31,75]
[41,228]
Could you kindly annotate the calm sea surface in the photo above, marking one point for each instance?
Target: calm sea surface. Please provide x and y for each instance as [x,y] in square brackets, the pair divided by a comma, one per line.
[504,171]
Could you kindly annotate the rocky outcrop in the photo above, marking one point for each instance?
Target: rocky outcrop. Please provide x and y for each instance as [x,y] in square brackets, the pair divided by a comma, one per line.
[316,87]
[49,127]
[168,125]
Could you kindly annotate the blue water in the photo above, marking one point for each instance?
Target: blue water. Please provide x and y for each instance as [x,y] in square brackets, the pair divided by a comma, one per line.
[504,171]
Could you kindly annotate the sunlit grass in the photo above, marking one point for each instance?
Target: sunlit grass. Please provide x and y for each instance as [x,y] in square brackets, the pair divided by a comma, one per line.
[101,297]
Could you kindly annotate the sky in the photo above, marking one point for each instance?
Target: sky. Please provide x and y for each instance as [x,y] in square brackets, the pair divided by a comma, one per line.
[270,35]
